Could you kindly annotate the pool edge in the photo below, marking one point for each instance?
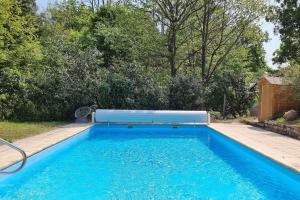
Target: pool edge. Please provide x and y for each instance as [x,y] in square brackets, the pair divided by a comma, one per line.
[297,171]
[47,147]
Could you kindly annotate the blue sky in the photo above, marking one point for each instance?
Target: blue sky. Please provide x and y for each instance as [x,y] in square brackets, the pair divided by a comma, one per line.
[273,44]
[269,46]
[42,4]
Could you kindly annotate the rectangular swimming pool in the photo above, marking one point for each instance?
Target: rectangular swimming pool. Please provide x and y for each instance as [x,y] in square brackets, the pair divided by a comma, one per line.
[150,162]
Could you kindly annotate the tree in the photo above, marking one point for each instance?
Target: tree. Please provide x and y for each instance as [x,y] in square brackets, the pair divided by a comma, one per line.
[178,54]
[127,34]
[236,79]
[186,89]
[221,27]
[19,53]
[28,6]
[66,81]
[70,15]
[287,19]
[292,76]
[97,4]
[239,93]
[174,15]
[19,44]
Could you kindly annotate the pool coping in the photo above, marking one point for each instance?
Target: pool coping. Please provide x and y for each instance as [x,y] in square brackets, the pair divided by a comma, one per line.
[73,134]
[268,154]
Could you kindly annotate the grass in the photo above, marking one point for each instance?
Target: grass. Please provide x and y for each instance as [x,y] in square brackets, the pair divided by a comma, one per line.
[12,131]
[283,121]
[248,118]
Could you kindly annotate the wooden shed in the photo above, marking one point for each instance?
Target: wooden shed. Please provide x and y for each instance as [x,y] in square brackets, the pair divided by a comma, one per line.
[275,97]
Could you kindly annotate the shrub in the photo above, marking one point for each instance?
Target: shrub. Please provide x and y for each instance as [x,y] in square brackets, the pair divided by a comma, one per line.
[214,116]
[185,93]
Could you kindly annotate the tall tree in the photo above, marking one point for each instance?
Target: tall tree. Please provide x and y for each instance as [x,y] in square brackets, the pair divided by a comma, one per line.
[70,15]
[221,27]
[127,34]
[28,6]
[19,53]
[96,4]
[292,76]
[287,19]
[174,15]
[116,55]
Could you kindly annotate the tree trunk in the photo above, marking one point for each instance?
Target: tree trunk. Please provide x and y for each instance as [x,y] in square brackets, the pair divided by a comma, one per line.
[204,41]
[224,106]
[172,52]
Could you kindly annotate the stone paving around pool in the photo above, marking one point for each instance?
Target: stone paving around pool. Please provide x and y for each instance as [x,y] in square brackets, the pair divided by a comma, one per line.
[39,142]
[282,149]
[277,147]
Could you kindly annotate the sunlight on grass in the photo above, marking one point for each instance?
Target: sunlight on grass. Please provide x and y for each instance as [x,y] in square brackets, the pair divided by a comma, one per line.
[283,121]
[12,131]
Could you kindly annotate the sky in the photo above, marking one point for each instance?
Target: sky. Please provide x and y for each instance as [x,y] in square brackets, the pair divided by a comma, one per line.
[270,46]
[273,44]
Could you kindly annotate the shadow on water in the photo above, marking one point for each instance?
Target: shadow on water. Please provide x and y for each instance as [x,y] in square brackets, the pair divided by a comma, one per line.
[121,133]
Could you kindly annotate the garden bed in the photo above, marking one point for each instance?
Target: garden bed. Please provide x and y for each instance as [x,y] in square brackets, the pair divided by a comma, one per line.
[288,130]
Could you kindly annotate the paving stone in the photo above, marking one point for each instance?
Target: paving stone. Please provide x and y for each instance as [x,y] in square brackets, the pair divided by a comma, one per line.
[282,149]
[39,142]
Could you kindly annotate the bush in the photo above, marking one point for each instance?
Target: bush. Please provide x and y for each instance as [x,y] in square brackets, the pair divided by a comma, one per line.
[240,96]
[214,116]
[278,115]
[185,93]
[73,76]
[292,77]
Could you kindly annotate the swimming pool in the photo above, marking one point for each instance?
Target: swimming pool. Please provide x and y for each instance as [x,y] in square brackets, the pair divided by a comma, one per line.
[150,162]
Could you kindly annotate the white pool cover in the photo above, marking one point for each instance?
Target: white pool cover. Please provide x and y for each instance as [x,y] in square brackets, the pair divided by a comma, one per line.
[150,116]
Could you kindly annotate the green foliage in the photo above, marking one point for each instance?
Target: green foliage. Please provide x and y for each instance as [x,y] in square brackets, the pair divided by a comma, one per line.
[19,53]
[185,91]
[285,122]
[237,79]
[239,94]
[287,18]
[215,116]
[70,15]
[118,56]
[278,115]
[292,76]
[28,6]
[73,77]
[126,34]
[70,72]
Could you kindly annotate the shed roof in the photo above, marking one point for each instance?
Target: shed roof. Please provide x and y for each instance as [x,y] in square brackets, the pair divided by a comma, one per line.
[274,80]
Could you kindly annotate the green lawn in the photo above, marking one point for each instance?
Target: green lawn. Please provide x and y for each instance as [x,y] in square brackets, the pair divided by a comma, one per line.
[283,121]
[12,131]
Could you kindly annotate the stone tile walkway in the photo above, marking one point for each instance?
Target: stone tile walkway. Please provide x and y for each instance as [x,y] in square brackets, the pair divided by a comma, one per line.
[39,142]
[280,148]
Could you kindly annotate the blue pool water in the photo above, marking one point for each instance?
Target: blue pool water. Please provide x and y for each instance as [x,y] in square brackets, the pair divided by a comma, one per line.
[150,162]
